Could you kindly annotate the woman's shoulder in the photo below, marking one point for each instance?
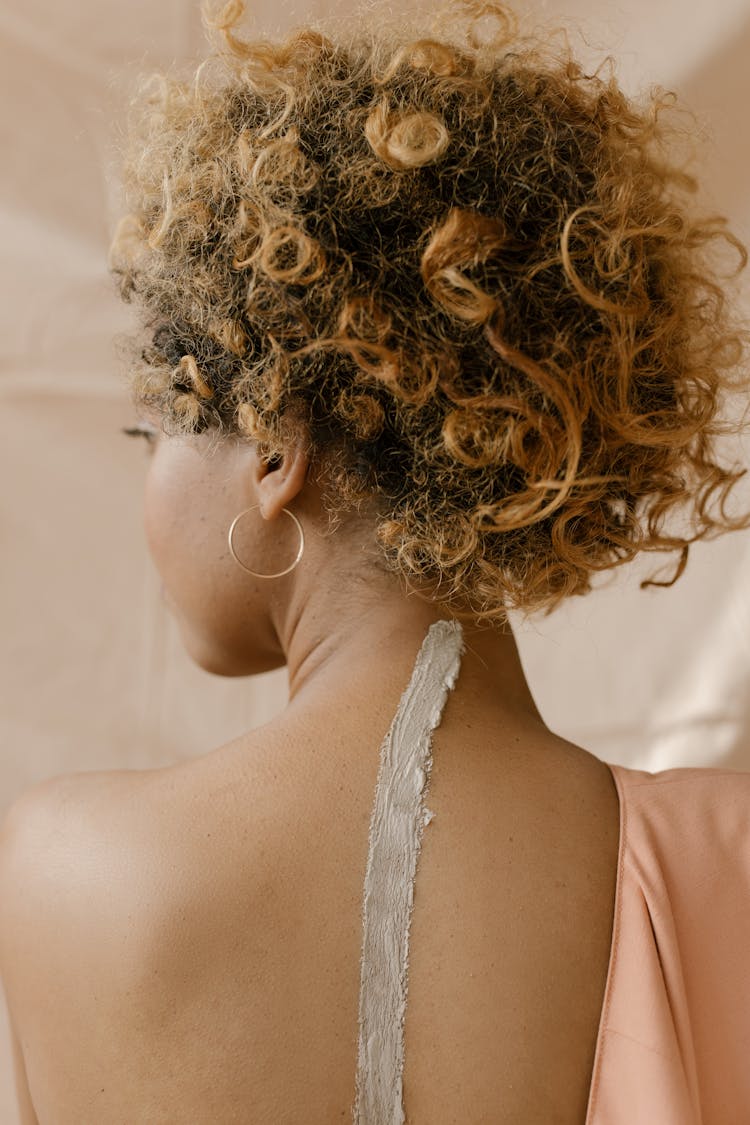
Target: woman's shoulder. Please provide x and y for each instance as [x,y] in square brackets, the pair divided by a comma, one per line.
[79,821]
[69,868]
[77,854]
[124,827]
[134,852]
[117,832]
[111,883]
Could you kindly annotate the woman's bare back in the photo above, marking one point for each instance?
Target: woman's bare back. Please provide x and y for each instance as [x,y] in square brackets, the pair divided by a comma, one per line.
[226,989]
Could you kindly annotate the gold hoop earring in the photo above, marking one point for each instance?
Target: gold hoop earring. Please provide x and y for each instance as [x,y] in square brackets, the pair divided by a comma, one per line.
[255,573]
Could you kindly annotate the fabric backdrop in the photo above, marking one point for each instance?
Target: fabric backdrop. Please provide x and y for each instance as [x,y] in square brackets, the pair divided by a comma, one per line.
[92,672]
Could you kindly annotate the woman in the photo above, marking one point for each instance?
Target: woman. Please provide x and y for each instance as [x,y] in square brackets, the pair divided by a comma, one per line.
[432,332]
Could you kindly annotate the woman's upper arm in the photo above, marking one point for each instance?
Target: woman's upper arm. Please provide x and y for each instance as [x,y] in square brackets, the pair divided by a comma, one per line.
[13,937]
[27,1113]
[23,832]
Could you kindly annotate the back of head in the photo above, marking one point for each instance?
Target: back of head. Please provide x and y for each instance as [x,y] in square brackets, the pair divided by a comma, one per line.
[475,275]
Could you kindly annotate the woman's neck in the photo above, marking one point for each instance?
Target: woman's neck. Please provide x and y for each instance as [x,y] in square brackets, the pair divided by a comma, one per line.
[336,638]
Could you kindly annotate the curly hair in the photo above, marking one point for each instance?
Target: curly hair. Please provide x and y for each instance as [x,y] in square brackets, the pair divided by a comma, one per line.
[473,270]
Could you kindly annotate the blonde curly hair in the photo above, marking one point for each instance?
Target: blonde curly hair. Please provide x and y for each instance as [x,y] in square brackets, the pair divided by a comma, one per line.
[471,269]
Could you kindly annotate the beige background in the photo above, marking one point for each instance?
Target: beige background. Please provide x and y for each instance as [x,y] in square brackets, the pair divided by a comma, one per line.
[92,674]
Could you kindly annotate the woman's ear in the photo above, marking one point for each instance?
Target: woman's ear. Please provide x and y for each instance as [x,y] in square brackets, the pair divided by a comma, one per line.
[280,480]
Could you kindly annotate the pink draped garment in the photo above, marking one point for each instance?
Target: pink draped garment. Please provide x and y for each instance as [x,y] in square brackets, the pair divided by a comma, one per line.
[673,1046]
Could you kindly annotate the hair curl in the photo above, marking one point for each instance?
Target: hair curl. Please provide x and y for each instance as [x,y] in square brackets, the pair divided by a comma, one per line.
[470,267]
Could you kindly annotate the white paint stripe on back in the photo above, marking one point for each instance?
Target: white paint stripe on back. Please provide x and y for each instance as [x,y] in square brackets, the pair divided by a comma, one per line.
[396,825]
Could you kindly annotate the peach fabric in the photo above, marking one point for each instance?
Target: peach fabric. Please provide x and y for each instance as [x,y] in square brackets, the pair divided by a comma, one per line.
[674,1037]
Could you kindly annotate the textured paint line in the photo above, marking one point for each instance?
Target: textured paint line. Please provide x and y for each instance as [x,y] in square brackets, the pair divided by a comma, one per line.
[396,825]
